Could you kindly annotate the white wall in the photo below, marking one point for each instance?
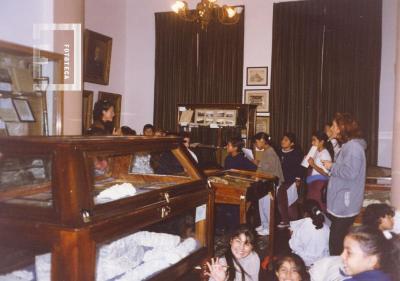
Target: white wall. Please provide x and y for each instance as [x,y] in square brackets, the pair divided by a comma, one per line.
[133,55]
[109,18]
[387,85]
[137,86]
[17,18]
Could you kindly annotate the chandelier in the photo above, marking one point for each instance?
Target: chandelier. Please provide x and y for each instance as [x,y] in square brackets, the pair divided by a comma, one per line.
[206,10]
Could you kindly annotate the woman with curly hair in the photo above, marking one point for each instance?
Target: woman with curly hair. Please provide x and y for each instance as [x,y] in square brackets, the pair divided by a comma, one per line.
[346,185]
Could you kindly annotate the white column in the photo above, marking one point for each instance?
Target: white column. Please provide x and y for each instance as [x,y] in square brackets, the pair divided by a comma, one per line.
[395,193]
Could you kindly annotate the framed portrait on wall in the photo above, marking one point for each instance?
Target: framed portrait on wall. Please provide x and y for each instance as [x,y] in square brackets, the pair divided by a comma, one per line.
[115,99]
[257,76]
[96,57]
[262,124]
[259,98]
[87,110]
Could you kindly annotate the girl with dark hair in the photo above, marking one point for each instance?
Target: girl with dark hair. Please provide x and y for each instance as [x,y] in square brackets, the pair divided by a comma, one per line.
[236,158]
[379,216]
[103,115]
[291,267]
[240,262]
[291,157]
[310,235]
[345,192]
[317,180]
[368,255]
[334,142]
[267,161]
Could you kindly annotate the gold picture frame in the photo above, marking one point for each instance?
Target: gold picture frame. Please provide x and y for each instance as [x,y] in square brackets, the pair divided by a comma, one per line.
[97,57]
[87,110]
[116,100]
[262,124]
[259,97]
[257,76]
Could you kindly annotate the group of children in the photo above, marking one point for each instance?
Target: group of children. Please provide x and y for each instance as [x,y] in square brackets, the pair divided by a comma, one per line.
[371,251]
[324,245]
[335,178]
[285,164]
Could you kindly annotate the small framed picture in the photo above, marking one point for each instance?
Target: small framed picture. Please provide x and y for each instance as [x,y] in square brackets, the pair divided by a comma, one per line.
[258,97]
[262,124]
[87,109]
[257,76]
[7,110]
[24,110]
[97,57]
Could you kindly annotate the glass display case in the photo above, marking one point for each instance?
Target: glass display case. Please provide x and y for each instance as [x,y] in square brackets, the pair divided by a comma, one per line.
[102,208]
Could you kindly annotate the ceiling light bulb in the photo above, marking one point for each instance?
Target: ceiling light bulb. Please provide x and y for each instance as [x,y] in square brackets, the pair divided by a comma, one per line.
[231,12]
[178,6]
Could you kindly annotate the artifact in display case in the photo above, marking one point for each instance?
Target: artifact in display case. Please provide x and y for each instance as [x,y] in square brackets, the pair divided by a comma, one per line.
[245,188]
[87,208]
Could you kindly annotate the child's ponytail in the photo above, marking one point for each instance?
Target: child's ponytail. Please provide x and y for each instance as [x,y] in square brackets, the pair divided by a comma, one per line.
[312,208]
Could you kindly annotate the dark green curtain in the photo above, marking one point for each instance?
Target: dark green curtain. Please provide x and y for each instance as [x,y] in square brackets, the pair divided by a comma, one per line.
[220,69]
[296,69]
[175,67]
[195,66]
[344,69]
[351,71]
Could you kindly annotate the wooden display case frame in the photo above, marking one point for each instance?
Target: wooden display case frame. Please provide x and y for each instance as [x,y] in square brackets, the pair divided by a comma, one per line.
[64,230]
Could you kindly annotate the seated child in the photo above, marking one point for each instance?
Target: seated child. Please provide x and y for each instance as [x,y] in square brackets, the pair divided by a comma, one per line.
[236,158]
[310,235]
[290,267]
[227,216]
[381,217]
[318,179]
[240,262]
[186,143]
[291,157]
[367,255]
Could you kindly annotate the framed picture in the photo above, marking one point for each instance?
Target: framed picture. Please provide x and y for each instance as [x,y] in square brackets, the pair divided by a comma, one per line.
[24,110]
[87,110]
[258,97]
[262,124]
[7,110]
[115,99]
[257,76]
[97,57]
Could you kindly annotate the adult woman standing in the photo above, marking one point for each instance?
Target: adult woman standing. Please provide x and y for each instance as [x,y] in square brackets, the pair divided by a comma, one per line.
[347,179]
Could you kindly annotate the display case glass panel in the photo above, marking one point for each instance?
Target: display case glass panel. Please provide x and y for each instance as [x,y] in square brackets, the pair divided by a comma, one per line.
[118,176]
[26,180]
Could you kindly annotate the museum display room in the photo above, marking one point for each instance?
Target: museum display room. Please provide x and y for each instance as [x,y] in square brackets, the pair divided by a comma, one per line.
[141,140]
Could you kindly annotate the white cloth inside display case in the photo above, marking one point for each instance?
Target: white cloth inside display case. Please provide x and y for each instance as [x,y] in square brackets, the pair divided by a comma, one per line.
[134,257]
